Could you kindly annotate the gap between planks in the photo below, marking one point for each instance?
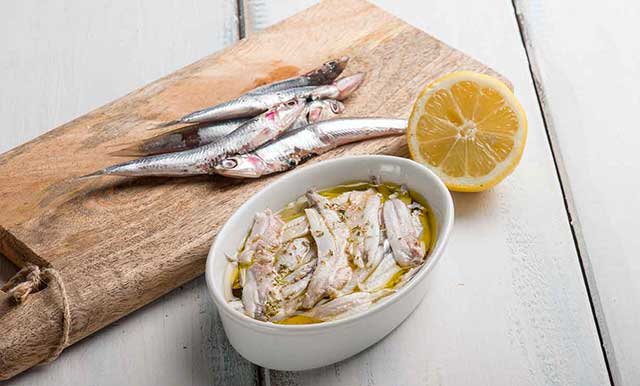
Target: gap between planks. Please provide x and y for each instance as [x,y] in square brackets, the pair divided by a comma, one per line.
[244,22]
[245,28]
[572,217]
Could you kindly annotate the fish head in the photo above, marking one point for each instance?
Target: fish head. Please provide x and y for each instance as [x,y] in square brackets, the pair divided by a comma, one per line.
[320,110]
[284,114]
[241,166]
[348,84]
[329,70]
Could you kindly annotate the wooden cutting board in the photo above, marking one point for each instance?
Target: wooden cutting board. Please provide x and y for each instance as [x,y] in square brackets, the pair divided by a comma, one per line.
[121,243]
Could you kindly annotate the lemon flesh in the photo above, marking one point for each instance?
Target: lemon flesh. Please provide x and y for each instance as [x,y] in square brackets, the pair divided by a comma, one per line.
[469,129]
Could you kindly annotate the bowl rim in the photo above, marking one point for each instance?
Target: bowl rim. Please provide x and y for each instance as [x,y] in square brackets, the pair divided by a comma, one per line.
[257,325]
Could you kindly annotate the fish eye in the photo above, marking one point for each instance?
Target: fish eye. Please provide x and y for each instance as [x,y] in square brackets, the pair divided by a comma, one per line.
[292,102]
[229,163]
[335,107]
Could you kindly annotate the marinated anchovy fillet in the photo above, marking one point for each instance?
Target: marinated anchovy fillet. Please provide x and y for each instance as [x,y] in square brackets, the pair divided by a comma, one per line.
[347,305]
[298,280]
[199,135]
[297,252]
[372,230]
[249,105]
[330,260]
[337,255]
[408,249]
[260,296]
[201,160]
[340,232]
[296,228]
[265,234]
[354,214]
[301,271]
[324,74]
[382,275]
[297,146]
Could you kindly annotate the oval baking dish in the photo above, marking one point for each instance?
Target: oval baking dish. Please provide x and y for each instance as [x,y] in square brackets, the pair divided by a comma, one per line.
[301,347]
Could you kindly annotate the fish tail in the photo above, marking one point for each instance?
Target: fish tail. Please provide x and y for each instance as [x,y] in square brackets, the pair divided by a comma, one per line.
[166,124]
[99,173]
[349,84]
[134,150]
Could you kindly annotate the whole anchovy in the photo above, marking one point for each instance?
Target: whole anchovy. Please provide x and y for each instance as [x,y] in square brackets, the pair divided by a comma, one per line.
[249,105]
[200,160]
[324,74]
[194,136]
[297,146]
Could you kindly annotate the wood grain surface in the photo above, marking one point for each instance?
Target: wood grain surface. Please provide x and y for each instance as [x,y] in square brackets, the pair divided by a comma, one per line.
[120,244]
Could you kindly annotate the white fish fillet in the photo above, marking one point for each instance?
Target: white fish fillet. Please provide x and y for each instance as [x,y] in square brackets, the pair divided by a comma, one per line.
[347,305]
[330,255]
[289,308]
[265,234]
[340,232]
[295,228]
[383,273]
[373,230]
[296,283]
[296,289]
[353,209]
[327,210]
[300,272]
[408,249]
[291,288]
[260,297]
[297,252]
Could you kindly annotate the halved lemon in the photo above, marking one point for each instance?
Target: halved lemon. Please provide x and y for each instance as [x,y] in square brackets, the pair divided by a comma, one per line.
[469,129]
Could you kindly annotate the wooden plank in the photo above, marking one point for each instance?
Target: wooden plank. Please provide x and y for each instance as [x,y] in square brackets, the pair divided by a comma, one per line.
[121,243]
[508,305]
[587,77]
[62,60]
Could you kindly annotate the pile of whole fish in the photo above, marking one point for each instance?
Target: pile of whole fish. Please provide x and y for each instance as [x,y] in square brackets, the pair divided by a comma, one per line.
[269,129]
[341,254]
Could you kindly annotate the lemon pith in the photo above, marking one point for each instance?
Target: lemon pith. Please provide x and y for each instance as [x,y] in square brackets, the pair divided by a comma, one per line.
[469,129]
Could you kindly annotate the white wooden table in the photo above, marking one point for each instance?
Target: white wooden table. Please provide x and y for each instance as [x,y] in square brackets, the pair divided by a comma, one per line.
[540,284]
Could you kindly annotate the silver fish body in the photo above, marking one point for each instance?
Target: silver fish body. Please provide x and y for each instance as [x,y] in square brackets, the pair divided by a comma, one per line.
[249,105]
[324,74]
[183,138]
[199,135]
[297,146]
[201,160]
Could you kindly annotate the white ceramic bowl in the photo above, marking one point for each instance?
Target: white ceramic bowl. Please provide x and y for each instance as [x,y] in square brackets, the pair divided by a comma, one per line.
[302,347]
